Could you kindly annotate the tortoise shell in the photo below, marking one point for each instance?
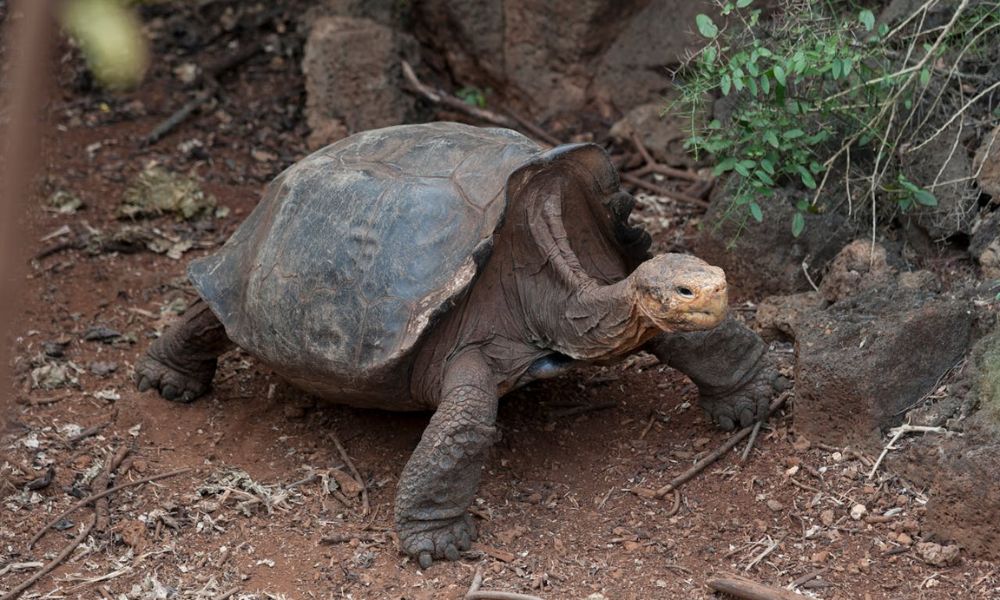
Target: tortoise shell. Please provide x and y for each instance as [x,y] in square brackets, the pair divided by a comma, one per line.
[354,251]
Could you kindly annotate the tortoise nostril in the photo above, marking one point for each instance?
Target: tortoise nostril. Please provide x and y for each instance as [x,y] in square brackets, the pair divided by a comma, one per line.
[685,292]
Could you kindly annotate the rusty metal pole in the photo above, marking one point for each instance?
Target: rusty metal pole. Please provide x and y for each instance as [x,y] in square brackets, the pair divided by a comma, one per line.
[29,30]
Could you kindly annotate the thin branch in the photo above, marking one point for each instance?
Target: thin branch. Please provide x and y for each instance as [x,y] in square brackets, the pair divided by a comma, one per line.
[445,99]
[475,593]
[365,506]
[746,589]
[899,432]
[964,108]
[55,562]
[100,495]
[718,453]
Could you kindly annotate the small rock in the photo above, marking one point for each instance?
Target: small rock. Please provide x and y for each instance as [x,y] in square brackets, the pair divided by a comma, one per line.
[801,443]
[937,555]
[904,539]
[509,535]
[349,485]
[101,333]
[102,369]
[826,517]
[775,505]
[55,348]
[820,557]
[858,511]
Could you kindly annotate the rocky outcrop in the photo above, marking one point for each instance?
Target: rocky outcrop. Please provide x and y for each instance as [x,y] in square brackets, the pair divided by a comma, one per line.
[353,77]
[558,56]
[869,345]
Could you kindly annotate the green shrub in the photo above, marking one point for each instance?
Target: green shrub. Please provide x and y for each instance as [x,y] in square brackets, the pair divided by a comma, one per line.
[817,94]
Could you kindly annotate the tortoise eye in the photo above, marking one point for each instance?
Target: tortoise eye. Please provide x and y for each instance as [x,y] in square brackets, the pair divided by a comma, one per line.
[684,292]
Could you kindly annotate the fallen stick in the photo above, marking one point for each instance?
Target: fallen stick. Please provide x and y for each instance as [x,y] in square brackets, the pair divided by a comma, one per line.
[365,507]
[100,495]
[807,577]
[443,98]
[753,438]
[721,450]
[662,191]
[747,589]
[55,562]
[898,432]
[210,88]
[226,594]
[676,507]
[475,593]
[653,166]
[101,508]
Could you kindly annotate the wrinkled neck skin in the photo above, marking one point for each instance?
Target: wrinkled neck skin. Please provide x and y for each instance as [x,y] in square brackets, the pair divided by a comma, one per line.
[595,322]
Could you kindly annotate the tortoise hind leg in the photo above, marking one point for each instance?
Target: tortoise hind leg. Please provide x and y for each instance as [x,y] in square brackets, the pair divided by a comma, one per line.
[180,364]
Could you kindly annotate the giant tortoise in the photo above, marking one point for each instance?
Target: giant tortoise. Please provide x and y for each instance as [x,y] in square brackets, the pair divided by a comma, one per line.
[437,267]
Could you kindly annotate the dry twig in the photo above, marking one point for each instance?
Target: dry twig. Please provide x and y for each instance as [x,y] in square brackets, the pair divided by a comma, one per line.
[718,453]
[898,432]
[445,99]
[807,577]
[753,438]
[101,508]
[475,593]
[746,589]
[100,495]
[55,562]
[365,507]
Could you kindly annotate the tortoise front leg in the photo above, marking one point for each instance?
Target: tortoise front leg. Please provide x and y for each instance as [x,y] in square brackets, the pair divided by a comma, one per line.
[730,364]
[440,480]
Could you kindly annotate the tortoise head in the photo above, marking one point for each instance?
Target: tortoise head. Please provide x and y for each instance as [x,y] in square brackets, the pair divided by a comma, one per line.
[679,292]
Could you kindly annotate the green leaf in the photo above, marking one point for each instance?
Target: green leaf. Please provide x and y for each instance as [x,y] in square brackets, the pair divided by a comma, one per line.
[710,54]
[924,197]
[752,69]
[798,224]
[743,167]
[806,176]
[738,81]
[764,177]
[715,124]
[867,19]
[837,69]
[743,3]
[725,165]
[765,84]
[757,213]
[925,76]
[848,64]
[767,165]
[791,134]
[771,138]
[706,27]
[726,84]
[779,75]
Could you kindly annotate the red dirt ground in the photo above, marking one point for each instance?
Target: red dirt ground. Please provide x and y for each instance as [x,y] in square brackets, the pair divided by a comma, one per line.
[556,515]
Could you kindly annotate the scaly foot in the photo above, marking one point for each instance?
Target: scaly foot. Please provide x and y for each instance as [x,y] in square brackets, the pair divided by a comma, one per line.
[429,540]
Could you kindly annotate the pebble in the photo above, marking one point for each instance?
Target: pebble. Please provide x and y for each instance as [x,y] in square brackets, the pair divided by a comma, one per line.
[775,506]
[858,511]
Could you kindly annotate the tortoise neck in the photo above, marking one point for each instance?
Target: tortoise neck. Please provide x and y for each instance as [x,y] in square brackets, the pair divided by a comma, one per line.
[600,322]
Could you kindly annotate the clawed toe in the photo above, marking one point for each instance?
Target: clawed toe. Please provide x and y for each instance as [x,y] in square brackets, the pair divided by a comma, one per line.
[430,540]
[173,384]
